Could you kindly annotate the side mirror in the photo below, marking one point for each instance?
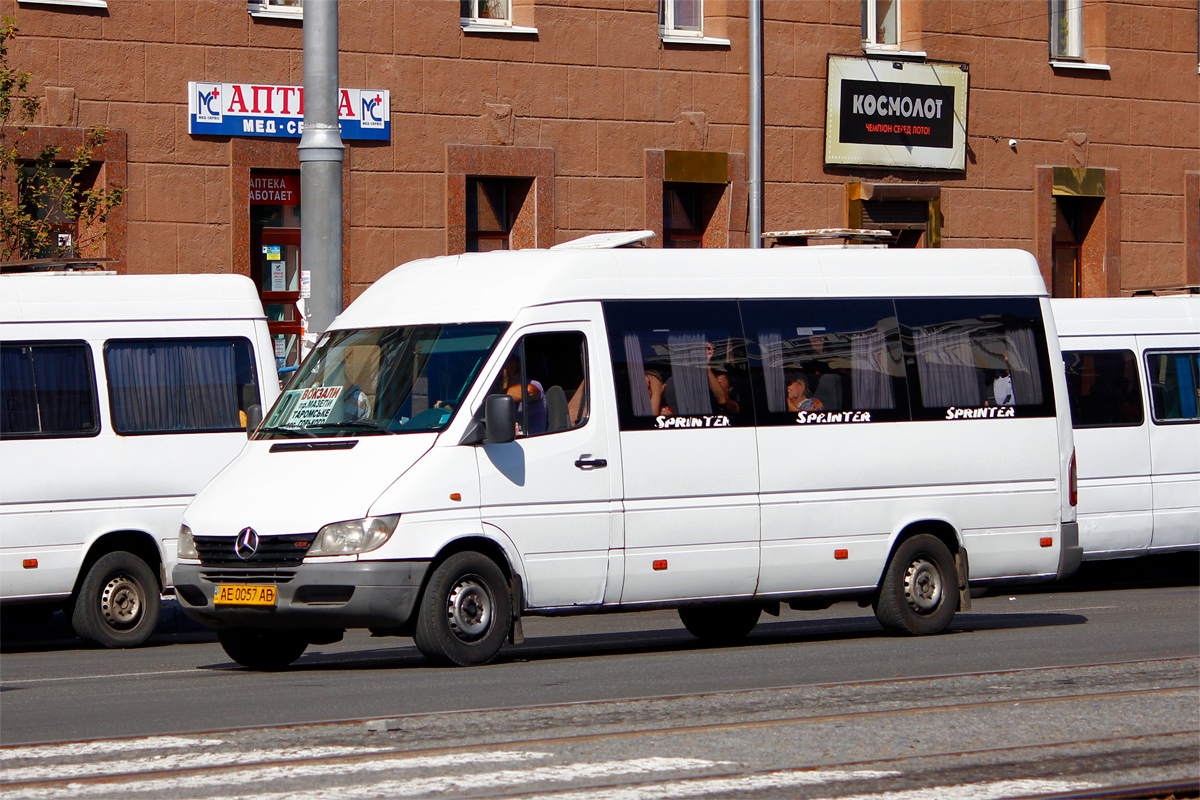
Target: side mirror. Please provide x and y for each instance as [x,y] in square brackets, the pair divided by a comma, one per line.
[500,419]
[253,418]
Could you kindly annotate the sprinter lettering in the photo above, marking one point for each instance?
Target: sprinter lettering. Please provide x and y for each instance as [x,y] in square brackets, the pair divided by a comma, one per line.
[707,421]
[991,412]
[807,417]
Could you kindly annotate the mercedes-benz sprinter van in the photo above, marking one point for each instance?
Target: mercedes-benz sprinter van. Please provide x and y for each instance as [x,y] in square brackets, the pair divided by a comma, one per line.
[482,437]
[1133,378]
[120,396]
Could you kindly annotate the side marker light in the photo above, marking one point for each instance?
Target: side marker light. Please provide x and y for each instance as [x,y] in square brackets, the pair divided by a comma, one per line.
[29,563]
[1047,541]
[841,555]
[455,496]
[660,565]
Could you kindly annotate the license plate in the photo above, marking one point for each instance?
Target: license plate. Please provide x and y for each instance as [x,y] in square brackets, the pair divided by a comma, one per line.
[244,595]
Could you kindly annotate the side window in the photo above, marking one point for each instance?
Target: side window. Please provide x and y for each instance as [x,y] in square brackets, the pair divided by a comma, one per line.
[180,385]
[47,390]
[1174,385]
[546,374]
[977,358]
[826,361]
[679,364]
[1104,388]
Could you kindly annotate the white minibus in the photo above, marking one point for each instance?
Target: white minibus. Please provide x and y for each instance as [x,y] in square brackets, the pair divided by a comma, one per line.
[1133,377]
[482,437]
[120,396]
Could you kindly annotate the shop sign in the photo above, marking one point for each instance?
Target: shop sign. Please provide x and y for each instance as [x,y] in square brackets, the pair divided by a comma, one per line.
[274,190]
[248,109]
[896,113]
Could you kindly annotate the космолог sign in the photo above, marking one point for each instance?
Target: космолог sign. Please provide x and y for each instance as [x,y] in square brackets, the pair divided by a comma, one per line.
[896,113]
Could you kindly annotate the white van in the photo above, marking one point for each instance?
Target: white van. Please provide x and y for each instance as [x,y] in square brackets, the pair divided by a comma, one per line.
[1133,374]
[487,436]
[120,396]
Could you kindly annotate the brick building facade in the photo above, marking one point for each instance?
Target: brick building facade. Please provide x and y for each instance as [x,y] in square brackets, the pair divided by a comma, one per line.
[570,117]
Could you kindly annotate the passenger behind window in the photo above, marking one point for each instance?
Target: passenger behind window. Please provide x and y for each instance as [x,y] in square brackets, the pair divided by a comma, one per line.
[532,393]
[799,397]
[1002,386]
[657,387]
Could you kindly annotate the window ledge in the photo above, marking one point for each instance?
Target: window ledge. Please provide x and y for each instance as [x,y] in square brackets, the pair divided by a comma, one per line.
[709,41]
[292,15]
[474,27]
[882,52]
[1080,65]
[76,3]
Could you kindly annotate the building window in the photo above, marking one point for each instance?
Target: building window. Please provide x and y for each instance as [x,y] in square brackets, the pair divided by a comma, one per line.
[912,213]
[277,9]
[881,23]
[493,206]
[1066,29]
[687,210]
[681,18]
[485,12]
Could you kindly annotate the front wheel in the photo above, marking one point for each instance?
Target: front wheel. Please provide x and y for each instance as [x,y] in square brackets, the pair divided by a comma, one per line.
[720,625]
[118,602]
[262,649]
[465,613]
[919,592]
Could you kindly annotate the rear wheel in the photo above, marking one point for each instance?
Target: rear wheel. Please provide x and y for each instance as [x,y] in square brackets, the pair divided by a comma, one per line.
[118,601]
[262,649]
[465,613]
[727,624]
[919,592]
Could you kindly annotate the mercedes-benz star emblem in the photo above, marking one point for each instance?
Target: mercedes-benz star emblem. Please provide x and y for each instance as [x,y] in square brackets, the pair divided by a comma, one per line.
[247,544]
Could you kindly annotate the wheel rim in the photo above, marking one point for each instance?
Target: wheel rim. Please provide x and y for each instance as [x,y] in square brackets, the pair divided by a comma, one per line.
[121,601]
[923,586]
[470,608]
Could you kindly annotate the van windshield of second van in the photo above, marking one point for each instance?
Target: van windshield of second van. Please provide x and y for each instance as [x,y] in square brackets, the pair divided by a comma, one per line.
[382,380]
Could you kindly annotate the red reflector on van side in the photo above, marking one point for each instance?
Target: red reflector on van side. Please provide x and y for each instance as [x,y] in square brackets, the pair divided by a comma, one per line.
[660,565]
[841,555]
[1047,541]
[29,563]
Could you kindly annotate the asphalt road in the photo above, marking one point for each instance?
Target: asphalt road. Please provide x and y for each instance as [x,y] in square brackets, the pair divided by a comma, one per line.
[1094,683]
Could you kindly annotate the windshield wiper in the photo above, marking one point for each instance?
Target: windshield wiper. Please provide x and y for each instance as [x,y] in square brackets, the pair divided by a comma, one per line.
[291,433]
[374,427]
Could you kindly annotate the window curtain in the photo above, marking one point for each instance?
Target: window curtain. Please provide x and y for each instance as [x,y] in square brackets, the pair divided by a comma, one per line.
[870,378]
[639,395]
[18,401]
[946,369]
[170,387]
[770,344]
[1023,366]
[689,373]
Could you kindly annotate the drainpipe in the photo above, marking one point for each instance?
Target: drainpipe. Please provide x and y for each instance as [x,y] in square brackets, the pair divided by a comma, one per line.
[321,154]
[756,123]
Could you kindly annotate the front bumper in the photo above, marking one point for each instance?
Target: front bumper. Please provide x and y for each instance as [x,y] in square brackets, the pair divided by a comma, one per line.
[358,594]
[1070,555]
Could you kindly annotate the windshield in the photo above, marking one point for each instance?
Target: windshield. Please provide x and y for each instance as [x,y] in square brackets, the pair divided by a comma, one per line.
[382,380]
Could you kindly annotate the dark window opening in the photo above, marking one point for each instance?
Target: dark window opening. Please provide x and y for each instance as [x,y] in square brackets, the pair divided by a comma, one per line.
[47,389]
[493,205]
[1103,387]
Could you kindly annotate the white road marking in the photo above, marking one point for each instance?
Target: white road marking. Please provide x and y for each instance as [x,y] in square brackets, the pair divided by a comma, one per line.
[102,677]
[267,774]
[175,761]
[106,746]
[428,787]
[727,787]
[994,790]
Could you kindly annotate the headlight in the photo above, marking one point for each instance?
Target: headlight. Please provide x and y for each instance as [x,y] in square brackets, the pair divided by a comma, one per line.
[187,544]
[354,536]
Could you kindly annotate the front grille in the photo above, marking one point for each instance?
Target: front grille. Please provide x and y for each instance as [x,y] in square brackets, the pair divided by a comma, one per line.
[268,577]
[274,552]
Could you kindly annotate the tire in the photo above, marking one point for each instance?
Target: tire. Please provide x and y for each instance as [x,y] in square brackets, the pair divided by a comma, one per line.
[262,649]
[919,592]
[720,625]
[118,602]
[466,611]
